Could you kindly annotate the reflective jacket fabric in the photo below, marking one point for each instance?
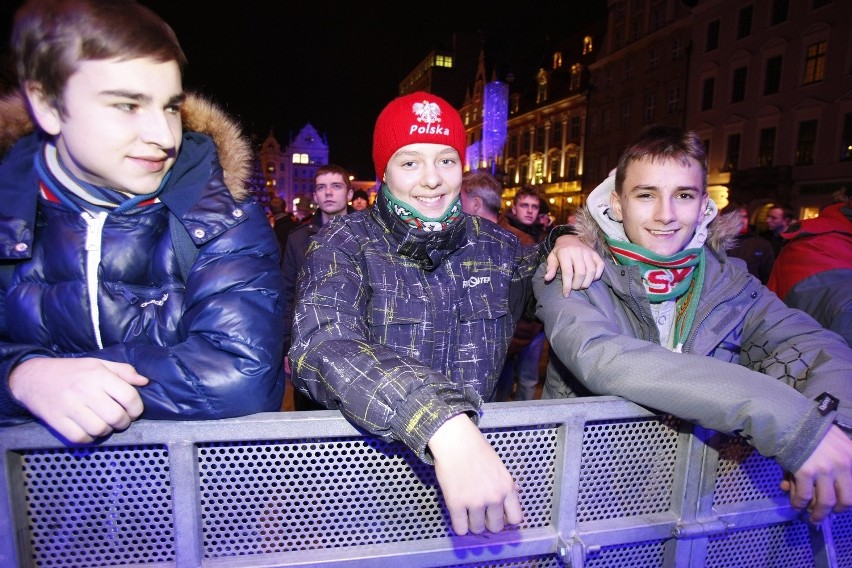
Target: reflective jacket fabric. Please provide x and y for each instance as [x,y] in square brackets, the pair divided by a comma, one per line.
[211,345]
[403,329]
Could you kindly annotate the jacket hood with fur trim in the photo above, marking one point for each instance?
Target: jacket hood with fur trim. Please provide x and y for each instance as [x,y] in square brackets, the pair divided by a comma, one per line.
[721,231]
[198,114]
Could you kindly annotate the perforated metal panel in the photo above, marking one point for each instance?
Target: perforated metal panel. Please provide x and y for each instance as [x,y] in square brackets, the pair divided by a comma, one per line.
[294,488]
[98,506]
[841,532]
[743,474]
[275,496]
[635,555]
[777,546]
[627,468]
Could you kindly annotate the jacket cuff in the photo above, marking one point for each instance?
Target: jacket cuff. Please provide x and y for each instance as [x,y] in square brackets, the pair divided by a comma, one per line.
[426,410]
[556,232]
[809,435]
[12,411]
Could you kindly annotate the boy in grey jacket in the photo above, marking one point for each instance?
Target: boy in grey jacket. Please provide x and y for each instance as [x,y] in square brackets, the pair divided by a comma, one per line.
[677,326]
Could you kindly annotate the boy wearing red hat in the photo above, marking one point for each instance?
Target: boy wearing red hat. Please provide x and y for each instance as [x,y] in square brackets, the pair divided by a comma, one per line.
[405,314]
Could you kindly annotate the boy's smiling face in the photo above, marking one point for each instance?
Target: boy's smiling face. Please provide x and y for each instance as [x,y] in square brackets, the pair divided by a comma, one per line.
[121,127]
[426,176]
[661,204]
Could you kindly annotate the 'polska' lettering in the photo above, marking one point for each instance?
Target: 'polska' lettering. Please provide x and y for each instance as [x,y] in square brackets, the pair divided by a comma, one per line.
[429,130]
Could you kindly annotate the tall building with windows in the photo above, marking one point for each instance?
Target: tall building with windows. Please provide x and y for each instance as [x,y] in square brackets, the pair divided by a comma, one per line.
[290,172]
[445,72]
[772,98]
[273,164]
[639,78]
[545,117]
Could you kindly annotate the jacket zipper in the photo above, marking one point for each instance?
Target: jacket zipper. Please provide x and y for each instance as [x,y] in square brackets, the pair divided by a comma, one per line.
[94,233]
[688,346]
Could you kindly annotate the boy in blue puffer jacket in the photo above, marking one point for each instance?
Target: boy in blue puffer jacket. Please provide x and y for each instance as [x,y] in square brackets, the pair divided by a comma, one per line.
[136,277]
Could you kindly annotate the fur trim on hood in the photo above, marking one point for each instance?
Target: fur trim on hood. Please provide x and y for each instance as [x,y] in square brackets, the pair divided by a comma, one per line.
[721,230]
[198,114]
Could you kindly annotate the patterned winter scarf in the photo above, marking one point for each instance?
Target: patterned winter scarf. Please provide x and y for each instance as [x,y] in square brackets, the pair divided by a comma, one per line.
[412,217]
[678,276]
[58,184]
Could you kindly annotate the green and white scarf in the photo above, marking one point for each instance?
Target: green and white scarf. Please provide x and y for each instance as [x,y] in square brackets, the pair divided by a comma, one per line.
[679,276]
[412,217]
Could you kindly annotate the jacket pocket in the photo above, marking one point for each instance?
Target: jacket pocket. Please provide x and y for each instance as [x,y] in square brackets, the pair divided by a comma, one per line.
[394,309]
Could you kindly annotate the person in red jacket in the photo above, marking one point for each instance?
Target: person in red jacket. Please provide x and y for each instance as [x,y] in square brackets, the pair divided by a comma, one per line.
[814,270]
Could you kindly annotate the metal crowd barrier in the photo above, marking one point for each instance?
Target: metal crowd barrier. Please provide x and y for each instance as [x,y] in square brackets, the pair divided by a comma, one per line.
[604,483]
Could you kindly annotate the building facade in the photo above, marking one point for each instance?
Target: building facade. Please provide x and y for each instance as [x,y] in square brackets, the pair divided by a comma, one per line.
[290,172]
[772,99]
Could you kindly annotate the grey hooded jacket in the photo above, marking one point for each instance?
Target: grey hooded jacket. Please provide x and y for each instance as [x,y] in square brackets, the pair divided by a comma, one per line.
[745,351]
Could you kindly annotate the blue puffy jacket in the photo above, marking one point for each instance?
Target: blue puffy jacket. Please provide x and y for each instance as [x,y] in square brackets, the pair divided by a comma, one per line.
[210,343]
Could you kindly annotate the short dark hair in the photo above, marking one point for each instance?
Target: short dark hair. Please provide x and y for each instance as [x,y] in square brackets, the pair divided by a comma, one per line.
[484,186]
[663,144]
[334,169]
[786,212]
[51,37]
[526,190]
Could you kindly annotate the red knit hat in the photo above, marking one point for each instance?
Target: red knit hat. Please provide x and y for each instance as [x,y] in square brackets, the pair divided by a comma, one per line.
[413,119]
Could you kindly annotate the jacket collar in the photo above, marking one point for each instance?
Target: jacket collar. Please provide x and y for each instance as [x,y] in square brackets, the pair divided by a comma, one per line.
[427,248]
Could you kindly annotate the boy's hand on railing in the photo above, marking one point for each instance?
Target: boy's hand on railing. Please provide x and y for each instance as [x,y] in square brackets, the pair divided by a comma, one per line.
[580,265]
[81,399]
[478,490]
[824,482]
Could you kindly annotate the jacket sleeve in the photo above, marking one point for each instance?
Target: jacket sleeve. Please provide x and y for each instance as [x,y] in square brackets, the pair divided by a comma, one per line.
[290,266]
[777,420]
[229,361]
[337,361]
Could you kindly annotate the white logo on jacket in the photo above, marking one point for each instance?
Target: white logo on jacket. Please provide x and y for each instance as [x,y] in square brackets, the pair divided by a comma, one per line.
[475,281]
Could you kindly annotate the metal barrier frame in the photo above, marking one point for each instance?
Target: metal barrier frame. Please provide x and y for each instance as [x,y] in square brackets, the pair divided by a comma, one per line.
[709,509]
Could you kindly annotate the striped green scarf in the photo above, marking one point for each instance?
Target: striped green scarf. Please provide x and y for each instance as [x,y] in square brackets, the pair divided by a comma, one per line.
[679,276]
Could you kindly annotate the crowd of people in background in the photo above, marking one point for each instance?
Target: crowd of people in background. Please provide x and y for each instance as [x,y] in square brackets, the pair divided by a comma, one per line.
[139,278]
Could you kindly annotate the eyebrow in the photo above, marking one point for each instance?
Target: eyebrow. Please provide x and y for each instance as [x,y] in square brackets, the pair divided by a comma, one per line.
[655,188]
[141,97]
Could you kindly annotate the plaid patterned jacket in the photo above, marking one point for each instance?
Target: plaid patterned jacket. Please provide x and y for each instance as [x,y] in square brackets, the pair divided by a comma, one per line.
[403,329]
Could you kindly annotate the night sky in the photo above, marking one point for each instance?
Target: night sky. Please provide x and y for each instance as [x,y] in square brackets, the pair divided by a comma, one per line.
[279,65]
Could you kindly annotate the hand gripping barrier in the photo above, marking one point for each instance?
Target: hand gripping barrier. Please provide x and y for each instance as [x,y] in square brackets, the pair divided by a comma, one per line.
[604,483]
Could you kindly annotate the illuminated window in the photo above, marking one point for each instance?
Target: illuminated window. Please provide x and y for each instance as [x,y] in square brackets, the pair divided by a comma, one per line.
[557,60]
[443,61]
[541,94]
[815,62]
[576,74]
[300,159]
[587,45]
